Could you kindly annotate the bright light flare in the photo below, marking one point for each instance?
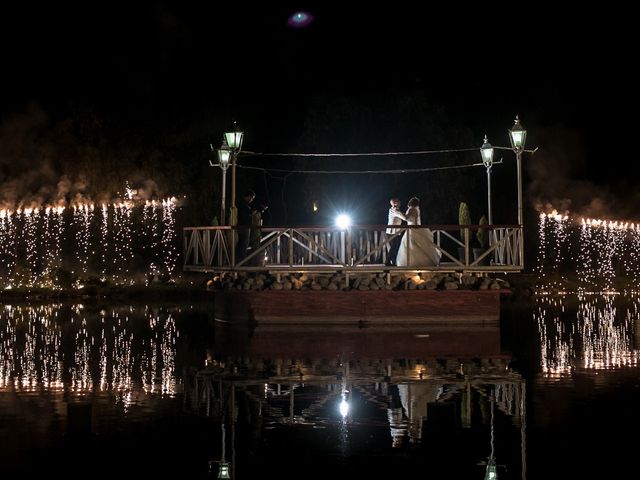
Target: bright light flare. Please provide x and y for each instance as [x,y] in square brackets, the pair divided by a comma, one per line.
[343,221]
[344,408]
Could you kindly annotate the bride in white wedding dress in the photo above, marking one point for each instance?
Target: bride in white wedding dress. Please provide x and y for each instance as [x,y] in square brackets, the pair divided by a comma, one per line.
[417,248]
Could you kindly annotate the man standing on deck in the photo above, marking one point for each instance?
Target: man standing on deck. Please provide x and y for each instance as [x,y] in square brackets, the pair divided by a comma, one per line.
[395,218]
[244,221]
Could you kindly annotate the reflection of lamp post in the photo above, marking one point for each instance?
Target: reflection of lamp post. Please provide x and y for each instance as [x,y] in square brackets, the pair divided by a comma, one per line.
[492,469]
[487,159]
[223,471]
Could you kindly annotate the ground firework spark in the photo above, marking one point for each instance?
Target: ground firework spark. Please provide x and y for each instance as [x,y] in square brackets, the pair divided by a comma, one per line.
[169,250]
[53,246]
[553,232]
[8,253]
[151,220]
[83,216]
[30,218]
[598,251]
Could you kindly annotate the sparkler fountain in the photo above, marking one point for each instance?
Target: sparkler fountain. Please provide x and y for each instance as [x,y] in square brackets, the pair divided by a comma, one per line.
[39,245]
[598,251]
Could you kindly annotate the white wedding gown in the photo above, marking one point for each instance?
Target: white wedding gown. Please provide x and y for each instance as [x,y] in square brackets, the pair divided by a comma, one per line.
[417,248]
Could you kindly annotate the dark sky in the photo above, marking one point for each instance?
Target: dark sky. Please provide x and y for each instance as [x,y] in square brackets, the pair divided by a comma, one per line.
[165,64]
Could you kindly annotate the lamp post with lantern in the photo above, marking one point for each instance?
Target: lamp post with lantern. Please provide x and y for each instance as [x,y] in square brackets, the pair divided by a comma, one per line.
[487,159]
[518,137]
[224,156]
[228,155]
[234,141]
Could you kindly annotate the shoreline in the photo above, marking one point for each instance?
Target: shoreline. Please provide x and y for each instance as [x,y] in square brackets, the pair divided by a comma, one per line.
[200,288]
[183,291]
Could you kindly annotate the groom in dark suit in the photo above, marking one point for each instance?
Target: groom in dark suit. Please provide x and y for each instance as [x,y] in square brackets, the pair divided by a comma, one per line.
[395,218]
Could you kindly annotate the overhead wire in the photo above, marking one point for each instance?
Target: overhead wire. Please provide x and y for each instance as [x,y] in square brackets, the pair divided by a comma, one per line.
[247,153]
[364,172]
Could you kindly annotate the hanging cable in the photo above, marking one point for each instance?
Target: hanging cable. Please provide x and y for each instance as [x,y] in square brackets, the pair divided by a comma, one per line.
[366,172]
[367,154]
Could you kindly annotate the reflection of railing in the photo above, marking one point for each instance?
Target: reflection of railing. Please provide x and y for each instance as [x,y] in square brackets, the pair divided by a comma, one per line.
[208,392]
[281,393]
[362,246]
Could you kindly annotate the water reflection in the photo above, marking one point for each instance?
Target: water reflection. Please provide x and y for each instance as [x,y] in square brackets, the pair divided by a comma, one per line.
[425,393]
[586,332]
[96,387]
[173,392]
[321,401]
[126,350]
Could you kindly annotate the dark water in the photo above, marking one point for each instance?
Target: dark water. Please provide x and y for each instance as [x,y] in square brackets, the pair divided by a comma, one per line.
[123,391]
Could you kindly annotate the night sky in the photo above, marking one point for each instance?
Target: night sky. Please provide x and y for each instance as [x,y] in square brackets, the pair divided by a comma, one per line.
[103,92]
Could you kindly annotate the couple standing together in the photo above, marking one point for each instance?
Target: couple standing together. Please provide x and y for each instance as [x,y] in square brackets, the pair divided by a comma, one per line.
[415,247]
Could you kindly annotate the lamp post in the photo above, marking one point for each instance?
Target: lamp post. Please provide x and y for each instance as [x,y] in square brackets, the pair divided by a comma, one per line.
[487,159]
[224,155]
[518,136]
[234,141]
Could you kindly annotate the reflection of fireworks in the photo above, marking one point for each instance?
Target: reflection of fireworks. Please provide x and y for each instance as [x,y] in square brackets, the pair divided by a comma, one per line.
[606,341]
[103,347]
[30,355]
[161,364]
[599,336]
[81,370]
[556,350]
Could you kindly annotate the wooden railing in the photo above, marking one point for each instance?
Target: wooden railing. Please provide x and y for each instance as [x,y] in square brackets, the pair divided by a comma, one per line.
[360,247]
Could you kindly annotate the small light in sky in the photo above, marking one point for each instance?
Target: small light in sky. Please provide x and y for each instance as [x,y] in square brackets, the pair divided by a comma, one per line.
[300,19]
[315,206]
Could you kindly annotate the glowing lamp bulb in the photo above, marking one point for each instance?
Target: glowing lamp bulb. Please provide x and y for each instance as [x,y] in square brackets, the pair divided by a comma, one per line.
[343,221]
